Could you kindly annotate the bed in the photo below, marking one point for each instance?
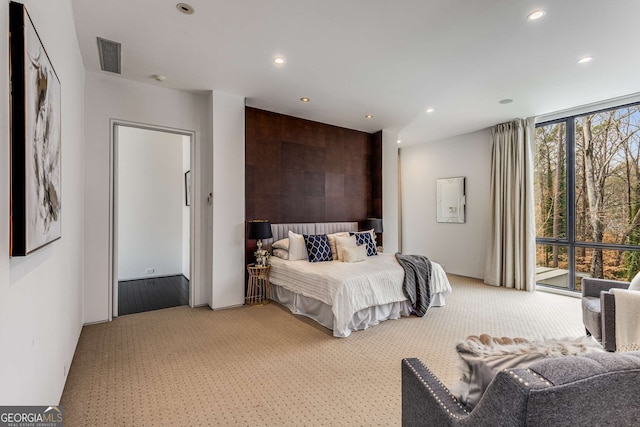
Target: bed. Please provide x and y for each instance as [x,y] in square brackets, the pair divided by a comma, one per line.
[344,297]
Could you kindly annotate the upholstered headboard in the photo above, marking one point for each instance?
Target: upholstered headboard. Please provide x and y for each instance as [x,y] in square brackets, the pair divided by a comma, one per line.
[281,231]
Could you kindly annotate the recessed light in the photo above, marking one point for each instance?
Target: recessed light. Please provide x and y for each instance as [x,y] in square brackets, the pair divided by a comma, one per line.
[536,14]
[399,141]
[159,77]
[506,101]
[279,60]
[185,8]
[585,59]
[304,99]
[430,110]
[368,116]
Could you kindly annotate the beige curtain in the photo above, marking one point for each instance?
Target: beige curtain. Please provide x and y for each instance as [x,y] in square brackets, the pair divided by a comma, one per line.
[511,247]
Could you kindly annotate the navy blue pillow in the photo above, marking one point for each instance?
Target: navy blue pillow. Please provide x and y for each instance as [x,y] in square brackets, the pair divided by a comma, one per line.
[318,247]
[366,239]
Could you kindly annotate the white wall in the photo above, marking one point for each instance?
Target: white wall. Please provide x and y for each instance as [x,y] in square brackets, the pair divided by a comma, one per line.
[41,295]
[460,248]
[150,203]
[228,200]
[111,97]
[186,210]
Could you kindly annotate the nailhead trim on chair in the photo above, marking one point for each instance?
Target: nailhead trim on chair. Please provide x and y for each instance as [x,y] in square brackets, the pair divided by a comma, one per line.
[422,380]
[544,380]
[520,379]
[514,375]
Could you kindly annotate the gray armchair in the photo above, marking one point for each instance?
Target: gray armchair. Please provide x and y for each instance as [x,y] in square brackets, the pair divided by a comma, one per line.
[596,389]
[599,310]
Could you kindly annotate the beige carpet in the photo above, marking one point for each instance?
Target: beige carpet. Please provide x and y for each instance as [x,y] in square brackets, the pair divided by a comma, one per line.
[262,366]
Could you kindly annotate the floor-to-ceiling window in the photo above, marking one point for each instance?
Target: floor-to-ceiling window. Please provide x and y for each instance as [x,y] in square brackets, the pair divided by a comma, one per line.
[587,197]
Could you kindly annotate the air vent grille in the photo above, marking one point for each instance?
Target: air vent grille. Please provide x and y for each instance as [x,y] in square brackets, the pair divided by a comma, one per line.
[109,53]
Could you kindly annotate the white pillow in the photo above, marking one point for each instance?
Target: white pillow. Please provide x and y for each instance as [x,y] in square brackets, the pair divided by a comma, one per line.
[297,247]
[344,242]
[635,283]
[281,244]
[332,242]
[281,253]
[357,254]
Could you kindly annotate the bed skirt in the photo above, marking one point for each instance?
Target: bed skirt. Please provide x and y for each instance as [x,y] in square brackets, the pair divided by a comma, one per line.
[321,312]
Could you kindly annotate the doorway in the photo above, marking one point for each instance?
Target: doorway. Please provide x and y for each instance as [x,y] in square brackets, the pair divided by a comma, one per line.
[152,218]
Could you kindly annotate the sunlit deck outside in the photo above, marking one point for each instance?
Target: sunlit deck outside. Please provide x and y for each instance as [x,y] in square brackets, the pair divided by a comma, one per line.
[556,277]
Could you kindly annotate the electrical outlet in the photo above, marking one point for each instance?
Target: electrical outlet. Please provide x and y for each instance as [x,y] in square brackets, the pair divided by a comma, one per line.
[149,270]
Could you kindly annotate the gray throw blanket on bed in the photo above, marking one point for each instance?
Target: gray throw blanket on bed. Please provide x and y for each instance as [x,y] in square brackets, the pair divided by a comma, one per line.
[417,281]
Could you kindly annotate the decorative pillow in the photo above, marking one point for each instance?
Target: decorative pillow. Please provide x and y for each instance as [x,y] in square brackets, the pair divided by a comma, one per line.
[281,253]
[297,247]
[344,242]
[367,231]
[354,254]
[318,247]
[485,356]
[332,242]
[281,244]
[635,283]
[365,239]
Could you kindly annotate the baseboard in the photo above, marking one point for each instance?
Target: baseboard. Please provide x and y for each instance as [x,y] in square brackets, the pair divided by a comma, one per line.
[225,307]
[97,322]
[151,276]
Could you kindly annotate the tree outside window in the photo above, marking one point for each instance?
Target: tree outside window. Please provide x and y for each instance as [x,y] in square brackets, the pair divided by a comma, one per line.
[587,192]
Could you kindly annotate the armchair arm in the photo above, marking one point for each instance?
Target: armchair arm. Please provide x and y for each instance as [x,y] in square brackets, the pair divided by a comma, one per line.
[608,319]
[592,287]
[425,400]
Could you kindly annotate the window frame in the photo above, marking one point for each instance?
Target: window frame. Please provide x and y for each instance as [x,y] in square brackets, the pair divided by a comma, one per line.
[570,165]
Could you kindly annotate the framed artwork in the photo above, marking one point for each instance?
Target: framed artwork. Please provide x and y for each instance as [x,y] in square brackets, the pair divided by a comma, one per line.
[187,188]
[451,200]
[36,150]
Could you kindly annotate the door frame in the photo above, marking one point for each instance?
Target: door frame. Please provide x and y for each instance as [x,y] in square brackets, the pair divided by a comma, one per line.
[113,208]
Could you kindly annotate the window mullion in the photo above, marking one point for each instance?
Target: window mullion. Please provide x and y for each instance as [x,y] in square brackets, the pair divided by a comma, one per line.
[571,198]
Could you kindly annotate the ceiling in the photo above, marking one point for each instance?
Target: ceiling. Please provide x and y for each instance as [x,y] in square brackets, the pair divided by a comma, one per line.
[390,59]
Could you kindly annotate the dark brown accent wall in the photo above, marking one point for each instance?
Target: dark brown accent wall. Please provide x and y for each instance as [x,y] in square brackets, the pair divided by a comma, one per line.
[303,171]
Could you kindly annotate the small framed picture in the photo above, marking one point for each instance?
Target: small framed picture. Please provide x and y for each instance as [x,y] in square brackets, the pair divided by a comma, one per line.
[187,188]
[451,200]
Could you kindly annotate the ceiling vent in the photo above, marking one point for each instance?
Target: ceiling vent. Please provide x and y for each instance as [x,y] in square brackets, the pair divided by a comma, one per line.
[109,53]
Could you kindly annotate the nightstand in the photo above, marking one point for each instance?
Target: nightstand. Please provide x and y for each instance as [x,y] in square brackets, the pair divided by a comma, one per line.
[258,287]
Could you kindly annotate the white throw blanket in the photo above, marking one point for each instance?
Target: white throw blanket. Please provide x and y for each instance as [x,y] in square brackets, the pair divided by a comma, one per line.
[627,319]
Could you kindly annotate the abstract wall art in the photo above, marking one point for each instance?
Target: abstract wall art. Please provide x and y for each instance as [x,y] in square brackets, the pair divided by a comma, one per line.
[36,156]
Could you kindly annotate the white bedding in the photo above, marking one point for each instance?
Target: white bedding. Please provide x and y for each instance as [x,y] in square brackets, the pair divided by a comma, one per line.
[350,287]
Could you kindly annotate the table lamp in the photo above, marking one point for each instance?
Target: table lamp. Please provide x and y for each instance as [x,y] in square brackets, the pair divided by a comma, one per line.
[376,225]
[258,230]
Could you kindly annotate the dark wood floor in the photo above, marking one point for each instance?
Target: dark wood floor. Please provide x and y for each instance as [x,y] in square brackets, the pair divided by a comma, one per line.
[136,296]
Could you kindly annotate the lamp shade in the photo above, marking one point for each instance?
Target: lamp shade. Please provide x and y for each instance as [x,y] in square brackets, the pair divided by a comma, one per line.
[375,223]
[259,229]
